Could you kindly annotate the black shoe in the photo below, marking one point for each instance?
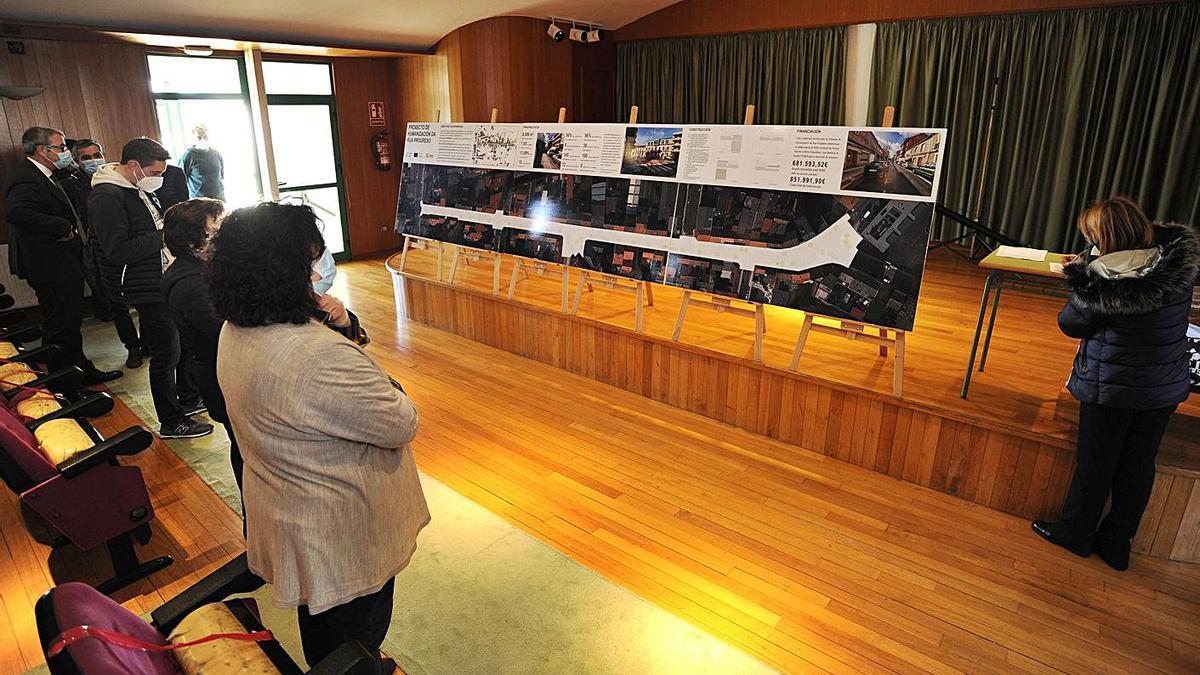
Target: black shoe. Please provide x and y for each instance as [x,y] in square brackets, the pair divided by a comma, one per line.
[95,376]
[1115,554]
[185,428]
[1053,533]
[193,407]
[135,358]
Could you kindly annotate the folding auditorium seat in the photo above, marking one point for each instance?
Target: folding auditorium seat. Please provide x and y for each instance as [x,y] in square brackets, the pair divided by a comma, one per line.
[151,648]
[68,474]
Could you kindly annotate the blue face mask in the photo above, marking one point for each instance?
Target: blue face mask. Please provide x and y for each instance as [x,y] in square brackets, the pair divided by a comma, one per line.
[63,161]
[91,165]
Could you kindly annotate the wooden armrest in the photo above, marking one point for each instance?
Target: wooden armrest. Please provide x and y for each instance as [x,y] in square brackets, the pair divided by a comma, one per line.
[48,354]
[94,405]
[66,379]
[232,577]
[350,657]
[129,442]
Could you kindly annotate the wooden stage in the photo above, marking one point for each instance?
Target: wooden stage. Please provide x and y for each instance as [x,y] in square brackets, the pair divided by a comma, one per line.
[1009,446]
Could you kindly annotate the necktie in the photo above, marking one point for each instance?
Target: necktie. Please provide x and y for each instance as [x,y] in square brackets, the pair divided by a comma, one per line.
[78,223]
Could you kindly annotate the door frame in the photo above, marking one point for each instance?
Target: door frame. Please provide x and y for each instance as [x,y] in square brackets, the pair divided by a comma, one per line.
[330,102]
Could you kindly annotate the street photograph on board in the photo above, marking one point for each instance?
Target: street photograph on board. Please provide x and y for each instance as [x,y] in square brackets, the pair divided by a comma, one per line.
[652,151]
[891,162]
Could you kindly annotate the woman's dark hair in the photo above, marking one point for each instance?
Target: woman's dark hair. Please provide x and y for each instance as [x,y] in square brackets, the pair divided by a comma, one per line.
[260,263]
[185,225]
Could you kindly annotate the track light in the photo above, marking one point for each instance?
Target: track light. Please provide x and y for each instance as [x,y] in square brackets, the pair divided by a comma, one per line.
[578,34]
[592,35]
[555,33]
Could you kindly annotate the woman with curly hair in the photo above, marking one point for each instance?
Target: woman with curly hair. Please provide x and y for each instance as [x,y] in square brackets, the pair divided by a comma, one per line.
[333,500]
[1131,293]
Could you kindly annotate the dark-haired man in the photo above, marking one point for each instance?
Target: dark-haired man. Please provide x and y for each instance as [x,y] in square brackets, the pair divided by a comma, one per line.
[89,157]
[127,223]
[45,244]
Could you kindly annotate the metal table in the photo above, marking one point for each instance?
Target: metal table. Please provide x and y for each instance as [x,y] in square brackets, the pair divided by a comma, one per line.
[1032,276]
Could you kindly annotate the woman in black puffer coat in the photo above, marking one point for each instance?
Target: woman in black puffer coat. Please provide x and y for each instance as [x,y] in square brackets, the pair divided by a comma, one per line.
[1129,309]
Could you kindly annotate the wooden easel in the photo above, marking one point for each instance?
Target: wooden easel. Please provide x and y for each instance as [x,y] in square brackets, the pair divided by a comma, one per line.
[415,243]
[639,289]
[857,331]
[542,267]
[724,305]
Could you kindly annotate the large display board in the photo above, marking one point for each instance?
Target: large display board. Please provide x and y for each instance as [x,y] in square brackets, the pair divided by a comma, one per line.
[830,220]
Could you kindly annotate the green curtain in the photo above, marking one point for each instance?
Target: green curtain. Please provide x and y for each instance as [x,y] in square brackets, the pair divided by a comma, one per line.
[1091,103]
[791,77]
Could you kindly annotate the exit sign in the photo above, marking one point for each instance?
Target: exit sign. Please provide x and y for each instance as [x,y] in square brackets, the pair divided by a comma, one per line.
[376,114]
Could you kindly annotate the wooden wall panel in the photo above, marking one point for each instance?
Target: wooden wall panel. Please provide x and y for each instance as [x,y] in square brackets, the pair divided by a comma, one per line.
[93,89]
[370,193]
[509,63]
[714,17]
[422,89]
[1003,468]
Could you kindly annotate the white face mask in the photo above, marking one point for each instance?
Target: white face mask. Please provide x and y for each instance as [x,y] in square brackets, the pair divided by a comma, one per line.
[149,183]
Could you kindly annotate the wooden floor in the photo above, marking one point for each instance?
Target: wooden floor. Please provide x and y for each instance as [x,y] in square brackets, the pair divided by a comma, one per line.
[191,524]
[811,566]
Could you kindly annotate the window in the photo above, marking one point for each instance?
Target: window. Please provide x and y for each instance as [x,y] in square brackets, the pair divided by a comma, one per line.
[194,75]
[211,91]
[289,77]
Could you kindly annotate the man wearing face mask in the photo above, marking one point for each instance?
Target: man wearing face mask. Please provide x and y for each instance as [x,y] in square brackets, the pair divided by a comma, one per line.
[127,223]
[46,244]
[89,157]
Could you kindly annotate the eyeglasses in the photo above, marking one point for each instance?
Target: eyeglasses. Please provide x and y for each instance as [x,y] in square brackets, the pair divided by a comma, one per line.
[60,148]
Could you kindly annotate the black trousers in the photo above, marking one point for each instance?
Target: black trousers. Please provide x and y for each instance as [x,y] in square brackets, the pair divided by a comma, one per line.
[1114,456]
[185,388]
[159,333]
[62,314]
[363,619]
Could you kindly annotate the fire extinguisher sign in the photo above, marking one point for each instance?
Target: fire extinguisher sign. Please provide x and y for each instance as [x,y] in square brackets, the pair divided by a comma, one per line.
[376,114]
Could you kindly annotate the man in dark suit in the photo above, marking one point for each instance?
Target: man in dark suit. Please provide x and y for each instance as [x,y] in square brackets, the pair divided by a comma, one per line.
[45,244]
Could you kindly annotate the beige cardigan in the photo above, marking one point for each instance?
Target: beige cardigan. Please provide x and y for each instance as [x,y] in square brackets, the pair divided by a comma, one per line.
[332,497]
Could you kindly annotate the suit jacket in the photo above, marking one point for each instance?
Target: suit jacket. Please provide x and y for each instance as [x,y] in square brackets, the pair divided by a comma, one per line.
[39,218]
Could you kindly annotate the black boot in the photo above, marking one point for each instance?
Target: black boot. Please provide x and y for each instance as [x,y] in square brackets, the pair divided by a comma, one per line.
[1115,553]
[1056,533]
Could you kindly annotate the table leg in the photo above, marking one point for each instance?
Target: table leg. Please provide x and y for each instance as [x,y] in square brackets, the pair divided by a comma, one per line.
[987,341]
[987,290]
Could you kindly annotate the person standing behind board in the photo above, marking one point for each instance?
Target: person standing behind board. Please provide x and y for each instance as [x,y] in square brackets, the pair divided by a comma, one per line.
[46,244]
[1129,309]
[204,167]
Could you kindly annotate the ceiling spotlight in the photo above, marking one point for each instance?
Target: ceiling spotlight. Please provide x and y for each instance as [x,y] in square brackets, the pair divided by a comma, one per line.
[578,34]
[592,35]
[197,50]
[556,33]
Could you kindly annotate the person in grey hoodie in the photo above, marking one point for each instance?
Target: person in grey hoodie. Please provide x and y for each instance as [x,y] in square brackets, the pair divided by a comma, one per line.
[127,223]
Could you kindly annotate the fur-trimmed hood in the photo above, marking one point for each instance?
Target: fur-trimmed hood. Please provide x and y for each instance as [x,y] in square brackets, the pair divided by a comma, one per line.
[1136,282]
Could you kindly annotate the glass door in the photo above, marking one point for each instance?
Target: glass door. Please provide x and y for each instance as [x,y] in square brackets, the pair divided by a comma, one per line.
[308,166]
[210,91]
